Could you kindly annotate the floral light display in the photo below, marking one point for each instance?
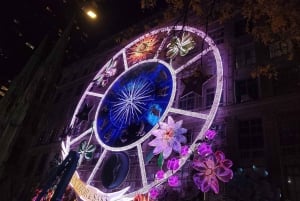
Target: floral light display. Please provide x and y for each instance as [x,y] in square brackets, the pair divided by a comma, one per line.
[142,49]
[102,79]
[180,46]
[168,137]
[211,167]
[133,110]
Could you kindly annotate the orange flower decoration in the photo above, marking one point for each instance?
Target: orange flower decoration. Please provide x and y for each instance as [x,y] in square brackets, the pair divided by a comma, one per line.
[142,49]
[141,197]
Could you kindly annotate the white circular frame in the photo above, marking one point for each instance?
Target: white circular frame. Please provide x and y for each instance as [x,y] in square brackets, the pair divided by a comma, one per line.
[207,117]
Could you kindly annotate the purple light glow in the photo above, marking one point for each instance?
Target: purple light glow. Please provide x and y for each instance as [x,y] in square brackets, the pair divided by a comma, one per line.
[173,181]
[160,174]
[173,164]
[204,150]
[210,134]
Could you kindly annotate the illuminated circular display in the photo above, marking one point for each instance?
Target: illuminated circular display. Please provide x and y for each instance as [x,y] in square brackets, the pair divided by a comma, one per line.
[134,104]
[164,73]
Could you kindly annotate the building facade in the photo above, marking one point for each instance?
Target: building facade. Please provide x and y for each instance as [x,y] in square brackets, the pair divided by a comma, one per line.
[257,120]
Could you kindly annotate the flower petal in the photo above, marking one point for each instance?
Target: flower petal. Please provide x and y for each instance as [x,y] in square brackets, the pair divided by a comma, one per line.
[180,138]
[157,150]
[170,121]
[176,146]
[220,156]
[158,133]
[227,163]
[155,142]
[224,174]
[214,185]
[198,179]
[167,152]
[205,186]
[178,124]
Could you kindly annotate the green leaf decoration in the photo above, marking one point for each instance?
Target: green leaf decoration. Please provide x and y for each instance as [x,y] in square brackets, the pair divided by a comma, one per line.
[160,160]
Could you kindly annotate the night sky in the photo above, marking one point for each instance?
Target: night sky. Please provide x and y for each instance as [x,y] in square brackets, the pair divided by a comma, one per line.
[25,23]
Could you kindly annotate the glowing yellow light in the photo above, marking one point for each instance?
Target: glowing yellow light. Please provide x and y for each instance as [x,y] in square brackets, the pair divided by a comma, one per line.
[91,14]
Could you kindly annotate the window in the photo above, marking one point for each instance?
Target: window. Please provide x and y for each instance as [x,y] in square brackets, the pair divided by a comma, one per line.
[190,101]
[279,48]
[246,90]
[217,35]
[251,140]
[289,133]
[245,57]
[210,95]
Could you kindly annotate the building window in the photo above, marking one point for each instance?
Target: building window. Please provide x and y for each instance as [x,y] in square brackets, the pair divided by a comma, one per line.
[245,57]
[279,48]
[210,95]
[251,140]
[289,133]
[246,90]
[217,35]
[190,101]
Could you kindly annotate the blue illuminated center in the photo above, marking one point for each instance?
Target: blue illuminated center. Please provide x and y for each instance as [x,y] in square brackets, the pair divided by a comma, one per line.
[134,104]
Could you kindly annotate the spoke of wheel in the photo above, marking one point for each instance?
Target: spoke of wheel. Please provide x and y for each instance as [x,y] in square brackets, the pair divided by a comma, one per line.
[193,60]
[96,167]
[94,94]
[81,136]
[142,165]
[198,115]
[125,60]
[161,46]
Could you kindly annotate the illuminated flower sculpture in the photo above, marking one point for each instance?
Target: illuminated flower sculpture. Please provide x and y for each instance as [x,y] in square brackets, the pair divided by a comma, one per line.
[168,137]
[180,46]
[142,49]
[210,169]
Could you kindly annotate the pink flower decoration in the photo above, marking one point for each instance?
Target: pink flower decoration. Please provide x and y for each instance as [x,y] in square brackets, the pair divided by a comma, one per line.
[173,181]
[160,174]
[204,150]
[154,192]
[173,164]
[168,137]
[184,150]
[210,170]
[210,134]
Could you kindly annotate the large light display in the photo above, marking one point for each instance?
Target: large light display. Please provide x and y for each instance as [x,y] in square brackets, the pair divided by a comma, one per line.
[135,116]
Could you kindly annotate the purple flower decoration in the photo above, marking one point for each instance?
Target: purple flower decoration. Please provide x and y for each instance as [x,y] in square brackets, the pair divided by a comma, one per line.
[184,150]
[169,137]
[210,134]
[173,181]
[173,164]
[204,150]
[210,170]
[160,174]
[154,192]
